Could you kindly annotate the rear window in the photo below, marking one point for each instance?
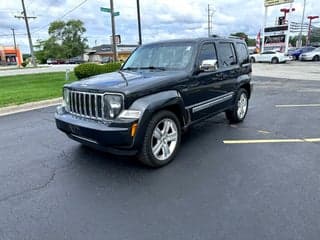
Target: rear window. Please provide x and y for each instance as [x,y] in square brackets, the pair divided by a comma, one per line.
[243,55]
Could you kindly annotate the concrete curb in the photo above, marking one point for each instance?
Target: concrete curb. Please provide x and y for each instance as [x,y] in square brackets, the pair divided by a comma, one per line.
[29,106]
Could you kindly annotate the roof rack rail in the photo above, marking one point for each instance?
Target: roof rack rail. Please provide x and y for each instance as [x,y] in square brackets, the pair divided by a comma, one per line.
[235,37]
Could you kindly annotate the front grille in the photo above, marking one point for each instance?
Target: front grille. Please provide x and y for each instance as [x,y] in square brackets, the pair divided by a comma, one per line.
[84,104]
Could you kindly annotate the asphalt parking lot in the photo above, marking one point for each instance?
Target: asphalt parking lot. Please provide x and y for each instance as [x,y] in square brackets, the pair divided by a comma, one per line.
[256,180]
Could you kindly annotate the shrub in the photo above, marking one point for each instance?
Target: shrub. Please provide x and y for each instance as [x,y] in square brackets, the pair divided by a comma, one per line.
[90,69]
[24,64]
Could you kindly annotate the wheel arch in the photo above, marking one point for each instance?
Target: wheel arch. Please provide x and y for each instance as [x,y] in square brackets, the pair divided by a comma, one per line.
[244,81]
[149,105]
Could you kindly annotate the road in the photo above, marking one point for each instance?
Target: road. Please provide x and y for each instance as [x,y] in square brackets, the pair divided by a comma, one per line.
[8,71]
[54,188]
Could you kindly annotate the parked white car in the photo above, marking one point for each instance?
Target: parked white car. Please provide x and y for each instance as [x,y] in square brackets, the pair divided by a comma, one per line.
[270,56]
[314,55]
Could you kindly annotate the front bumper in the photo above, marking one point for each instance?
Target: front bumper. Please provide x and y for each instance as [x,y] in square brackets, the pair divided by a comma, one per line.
[113,137]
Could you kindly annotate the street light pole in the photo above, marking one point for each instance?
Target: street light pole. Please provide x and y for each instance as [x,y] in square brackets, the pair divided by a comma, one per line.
[209,30]
[139,22]
[286,11]
[309,31]
[114,46]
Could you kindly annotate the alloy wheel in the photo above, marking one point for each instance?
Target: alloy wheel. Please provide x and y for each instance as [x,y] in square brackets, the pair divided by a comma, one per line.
[164,139]
[242,106]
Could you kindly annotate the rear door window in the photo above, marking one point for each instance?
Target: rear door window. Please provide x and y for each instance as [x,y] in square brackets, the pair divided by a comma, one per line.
[226,53]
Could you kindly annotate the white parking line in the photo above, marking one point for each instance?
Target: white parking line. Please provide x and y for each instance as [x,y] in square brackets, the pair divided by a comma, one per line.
[298,105]
[255,141]
[309,90]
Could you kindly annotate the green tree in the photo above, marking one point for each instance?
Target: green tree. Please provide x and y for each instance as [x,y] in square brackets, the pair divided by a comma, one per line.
[251,42]
[293,40]
[65,41]
[241,35]
[244,36]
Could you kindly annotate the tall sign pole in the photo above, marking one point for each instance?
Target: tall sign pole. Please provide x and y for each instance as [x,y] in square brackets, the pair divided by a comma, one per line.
[302,20]
[264,26]
[114,46]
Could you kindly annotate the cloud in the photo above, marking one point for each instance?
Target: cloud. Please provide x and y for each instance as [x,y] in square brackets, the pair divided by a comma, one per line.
[161,19]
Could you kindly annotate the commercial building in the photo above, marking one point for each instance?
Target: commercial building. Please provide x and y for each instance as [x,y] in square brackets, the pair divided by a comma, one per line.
[103,53]
[10,56]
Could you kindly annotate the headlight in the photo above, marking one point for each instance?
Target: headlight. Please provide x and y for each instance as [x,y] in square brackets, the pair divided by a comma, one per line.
[112,105]
[65,102]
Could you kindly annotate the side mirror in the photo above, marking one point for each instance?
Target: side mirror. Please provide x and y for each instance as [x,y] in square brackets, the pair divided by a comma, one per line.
[209,65]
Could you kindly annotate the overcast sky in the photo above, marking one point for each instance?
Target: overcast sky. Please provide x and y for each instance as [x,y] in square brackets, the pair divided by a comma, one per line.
[161,19]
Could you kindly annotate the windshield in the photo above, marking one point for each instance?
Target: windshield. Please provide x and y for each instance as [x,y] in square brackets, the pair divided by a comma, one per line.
[168,56]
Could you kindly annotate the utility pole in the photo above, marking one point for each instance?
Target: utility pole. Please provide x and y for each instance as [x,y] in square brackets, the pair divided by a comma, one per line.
[209,25]
[139,22]
[15,45]
[114,46]
[302,20]
[14,39]
[25,17]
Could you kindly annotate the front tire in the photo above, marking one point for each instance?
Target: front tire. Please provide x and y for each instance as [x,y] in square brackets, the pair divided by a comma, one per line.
[162,140]
[240,109]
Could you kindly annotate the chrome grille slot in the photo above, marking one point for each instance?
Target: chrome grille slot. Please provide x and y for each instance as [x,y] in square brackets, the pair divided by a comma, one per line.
[85,104]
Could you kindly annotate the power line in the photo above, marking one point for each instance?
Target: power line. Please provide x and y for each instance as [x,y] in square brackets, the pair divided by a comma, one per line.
[17,34]
[64,15]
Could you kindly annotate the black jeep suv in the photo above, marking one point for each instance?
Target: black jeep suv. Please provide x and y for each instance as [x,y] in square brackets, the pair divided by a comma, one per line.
[160,91]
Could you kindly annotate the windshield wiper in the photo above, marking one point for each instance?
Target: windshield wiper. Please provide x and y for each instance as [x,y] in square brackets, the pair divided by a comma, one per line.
[154,68]
[130,68]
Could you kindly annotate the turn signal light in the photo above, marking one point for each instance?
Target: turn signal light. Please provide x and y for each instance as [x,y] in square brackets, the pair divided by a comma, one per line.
[134,129]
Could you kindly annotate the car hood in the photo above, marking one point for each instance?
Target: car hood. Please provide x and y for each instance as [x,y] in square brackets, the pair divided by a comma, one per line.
[128,81]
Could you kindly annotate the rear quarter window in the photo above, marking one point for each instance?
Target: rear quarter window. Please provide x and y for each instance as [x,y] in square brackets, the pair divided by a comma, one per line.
[243,54]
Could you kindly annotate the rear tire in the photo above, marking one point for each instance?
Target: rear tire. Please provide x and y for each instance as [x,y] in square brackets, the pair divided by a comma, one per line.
[274,60]
[161,141]
[240,109]
[316,58]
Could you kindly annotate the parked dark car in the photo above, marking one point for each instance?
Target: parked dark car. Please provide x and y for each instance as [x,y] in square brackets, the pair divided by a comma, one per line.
[296,53]
[160,91]
[75,60]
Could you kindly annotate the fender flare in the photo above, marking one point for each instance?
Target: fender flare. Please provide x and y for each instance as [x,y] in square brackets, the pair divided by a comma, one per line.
[150,104]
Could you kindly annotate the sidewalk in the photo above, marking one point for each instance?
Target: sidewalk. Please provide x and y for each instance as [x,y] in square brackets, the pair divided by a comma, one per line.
[40,69]
[29,106]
